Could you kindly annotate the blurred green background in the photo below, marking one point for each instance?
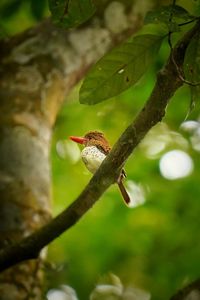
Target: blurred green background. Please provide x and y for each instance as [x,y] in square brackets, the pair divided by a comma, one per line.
[154,245]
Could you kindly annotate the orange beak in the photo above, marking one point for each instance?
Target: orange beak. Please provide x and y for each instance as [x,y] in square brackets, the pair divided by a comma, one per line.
[77,139]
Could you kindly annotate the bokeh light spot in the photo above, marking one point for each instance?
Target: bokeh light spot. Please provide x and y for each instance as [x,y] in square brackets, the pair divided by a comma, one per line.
[69,150]
[176,164]
[136,193]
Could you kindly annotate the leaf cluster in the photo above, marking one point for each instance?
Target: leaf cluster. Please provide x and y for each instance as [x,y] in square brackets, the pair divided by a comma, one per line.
[123,67]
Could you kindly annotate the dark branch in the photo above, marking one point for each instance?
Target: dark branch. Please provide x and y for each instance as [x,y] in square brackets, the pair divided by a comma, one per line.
[168,81]
[191,291]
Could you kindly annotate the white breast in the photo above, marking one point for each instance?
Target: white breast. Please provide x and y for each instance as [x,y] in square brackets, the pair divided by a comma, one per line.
[92,158]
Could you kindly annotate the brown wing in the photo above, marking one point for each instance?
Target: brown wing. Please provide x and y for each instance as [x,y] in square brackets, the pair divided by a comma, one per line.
[103,148]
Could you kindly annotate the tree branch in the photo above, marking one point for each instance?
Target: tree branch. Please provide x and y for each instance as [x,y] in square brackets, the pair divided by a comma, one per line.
[167,83]
[191,291]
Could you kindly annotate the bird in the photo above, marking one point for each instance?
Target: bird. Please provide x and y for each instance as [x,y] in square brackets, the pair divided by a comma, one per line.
[96,148]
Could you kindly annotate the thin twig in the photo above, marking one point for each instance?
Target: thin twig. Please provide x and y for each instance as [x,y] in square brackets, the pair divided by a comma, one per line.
[171,50]
[188,22]
[177,67]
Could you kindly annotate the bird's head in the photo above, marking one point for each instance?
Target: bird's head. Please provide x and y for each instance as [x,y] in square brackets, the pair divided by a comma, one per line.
[93,138]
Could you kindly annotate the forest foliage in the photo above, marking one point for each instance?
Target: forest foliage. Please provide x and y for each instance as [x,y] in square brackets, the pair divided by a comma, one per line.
[155,245]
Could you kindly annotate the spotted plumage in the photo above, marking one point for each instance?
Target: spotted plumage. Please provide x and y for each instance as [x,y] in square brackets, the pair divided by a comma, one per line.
[92,158]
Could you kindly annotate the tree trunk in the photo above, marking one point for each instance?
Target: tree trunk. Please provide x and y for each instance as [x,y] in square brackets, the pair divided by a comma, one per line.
[38,68]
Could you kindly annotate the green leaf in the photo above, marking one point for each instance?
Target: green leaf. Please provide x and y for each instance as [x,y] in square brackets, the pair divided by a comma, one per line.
[169,15]
[120,69]
[71,13]
[192,68]
[38,8]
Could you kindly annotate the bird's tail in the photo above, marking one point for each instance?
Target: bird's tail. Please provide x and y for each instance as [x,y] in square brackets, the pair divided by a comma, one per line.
[124,193]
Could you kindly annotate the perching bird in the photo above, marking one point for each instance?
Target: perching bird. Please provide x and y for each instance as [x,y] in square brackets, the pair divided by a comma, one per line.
[96,147]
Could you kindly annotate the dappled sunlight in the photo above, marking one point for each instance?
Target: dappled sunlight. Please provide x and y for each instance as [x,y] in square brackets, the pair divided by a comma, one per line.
[136,244]
[190,126]
[126,234]
[136,192]
[64,293]
[68,150]
[195,140]
[159,138]
[110,287]
[193,128]
[175,164]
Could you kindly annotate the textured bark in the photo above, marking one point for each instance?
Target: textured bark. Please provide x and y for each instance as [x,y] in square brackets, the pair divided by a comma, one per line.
[24,206]
[39,67]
